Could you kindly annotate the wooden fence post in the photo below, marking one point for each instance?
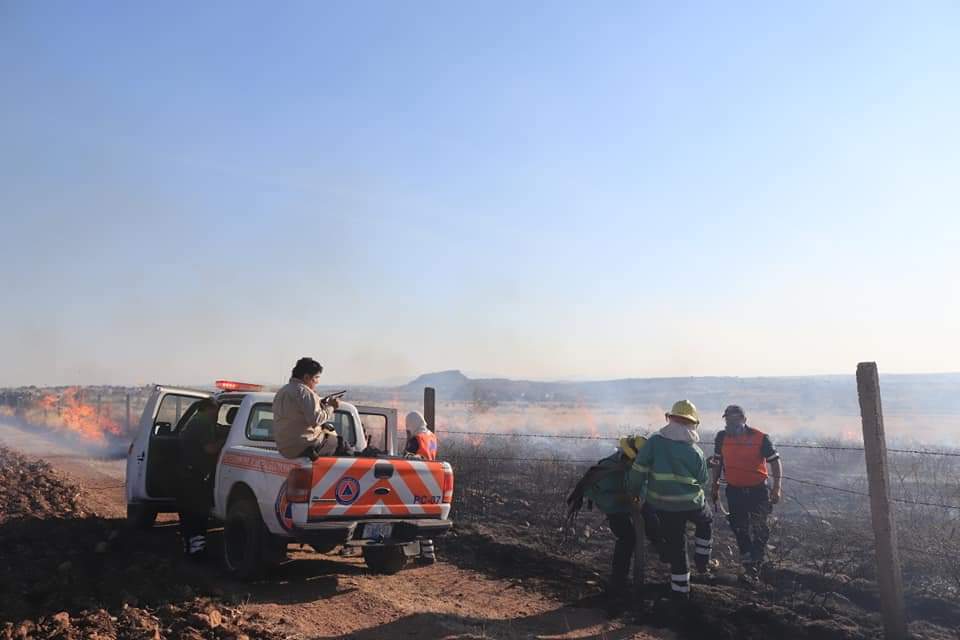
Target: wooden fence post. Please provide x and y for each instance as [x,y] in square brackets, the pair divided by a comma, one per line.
[430,407]
[889,575]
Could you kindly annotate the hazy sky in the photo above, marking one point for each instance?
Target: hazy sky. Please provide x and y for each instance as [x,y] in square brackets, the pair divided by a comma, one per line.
[551,190]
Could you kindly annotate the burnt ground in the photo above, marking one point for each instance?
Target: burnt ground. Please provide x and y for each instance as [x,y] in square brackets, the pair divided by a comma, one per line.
[819,583]
[819,607]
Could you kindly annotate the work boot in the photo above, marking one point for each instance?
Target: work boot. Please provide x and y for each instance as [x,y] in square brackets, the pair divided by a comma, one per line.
[679,596]
[706,571]
[196,548]
[427,553]
[750,575]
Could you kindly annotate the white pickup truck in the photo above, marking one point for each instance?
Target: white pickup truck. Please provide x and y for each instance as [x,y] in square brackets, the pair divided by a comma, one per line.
[384,504]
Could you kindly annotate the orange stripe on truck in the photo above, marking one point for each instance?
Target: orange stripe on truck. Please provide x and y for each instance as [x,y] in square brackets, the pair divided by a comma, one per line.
[258,463]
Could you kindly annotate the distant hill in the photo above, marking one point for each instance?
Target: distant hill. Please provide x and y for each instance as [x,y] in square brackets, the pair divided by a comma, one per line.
[928,394]
[451,382]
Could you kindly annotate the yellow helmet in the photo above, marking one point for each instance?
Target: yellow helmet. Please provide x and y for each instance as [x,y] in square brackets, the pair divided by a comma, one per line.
[630,445]
[685,409]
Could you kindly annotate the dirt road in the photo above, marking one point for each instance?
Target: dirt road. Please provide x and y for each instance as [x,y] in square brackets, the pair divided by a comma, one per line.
[311,596]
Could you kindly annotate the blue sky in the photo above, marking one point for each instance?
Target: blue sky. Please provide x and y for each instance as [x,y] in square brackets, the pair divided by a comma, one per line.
[546,190]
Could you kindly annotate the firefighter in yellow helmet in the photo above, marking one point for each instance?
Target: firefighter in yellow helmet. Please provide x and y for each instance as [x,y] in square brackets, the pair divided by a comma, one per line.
[604,485]
[669,473]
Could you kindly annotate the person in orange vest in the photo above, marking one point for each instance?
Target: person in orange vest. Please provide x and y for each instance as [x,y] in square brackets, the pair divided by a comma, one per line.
[421,443]
[741,454]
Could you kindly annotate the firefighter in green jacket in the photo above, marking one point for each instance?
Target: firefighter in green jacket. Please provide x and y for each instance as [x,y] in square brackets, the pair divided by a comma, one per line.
[604,485]
[670,474]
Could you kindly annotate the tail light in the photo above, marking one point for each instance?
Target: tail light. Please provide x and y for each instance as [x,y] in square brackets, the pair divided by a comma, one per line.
[447,485]
[299,483]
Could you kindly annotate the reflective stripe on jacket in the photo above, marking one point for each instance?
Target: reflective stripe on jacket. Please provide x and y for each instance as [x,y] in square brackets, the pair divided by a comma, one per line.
[669,474]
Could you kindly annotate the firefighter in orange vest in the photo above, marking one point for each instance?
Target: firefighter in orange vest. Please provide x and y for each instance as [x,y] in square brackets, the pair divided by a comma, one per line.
[741,454]
[421,443]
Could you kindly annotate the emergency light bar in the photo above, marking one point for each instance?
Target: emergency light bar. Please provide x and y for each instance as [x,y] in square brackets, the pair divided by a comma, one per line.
[230,385]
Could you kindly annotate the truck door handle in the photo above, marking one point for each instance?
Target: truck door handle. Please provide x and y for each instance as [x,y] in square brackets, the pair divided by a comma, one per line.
[143,454]
[381,491]
[383,470]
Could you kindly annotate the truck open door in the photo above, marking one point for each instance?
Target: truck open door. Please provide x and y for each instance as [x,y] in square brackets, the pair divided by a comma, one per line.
[154,452]
[380,427]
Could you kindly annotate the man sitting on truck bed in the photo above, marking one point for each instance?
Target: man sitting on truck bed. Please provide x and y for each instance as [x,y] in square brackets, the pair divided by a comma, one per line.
[301,417]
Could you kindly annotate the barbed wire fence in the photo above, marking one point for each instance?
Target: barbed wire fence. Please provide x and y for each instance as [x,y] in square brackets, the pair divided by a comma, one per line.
[823,524]
[820,532]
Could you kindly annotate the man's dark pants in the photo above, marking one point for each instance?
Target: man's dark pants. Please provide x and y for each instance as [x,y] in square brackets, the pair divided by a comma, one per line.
[673,528]
[194,500]
[621,524]
[749,508]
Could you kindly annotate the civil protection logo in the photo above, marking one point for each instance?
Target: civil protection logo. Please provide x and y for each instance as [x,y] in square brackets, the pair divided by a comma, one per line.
[348,490]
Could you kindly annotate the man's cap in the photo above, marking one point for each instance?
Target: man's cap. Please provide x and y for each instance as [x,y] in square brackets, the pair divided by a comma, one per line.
[734,410]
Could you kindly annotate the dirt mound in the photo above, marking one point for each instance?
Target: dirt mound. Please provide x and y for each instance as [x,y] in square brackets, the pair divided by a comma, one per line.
[30,489]
[196,620]
[70,575]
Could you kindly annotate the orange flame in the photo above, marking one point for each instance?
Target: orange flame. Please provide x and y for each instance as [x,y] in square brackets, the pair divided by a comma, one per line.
[588,416]
[70,413]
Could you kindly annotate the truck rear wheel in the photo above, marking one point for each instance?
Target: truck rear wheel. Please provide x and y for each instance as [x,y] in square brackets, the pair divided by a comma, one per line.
[246,542]
[140,516]
[386,560]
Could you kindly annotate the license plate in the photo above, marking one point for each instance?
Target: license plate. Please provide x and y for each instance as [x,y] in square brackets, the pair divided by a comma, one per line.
[372,531]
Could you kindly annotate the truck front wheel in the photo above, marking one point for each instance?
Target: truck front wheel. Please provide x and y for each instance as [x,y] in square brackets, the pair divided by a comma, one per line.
[386,560]
[247,544]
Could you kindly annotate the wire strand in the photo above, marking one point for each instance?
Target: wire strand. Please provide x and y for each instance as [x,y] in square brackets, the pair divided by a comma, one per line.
[783,445]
